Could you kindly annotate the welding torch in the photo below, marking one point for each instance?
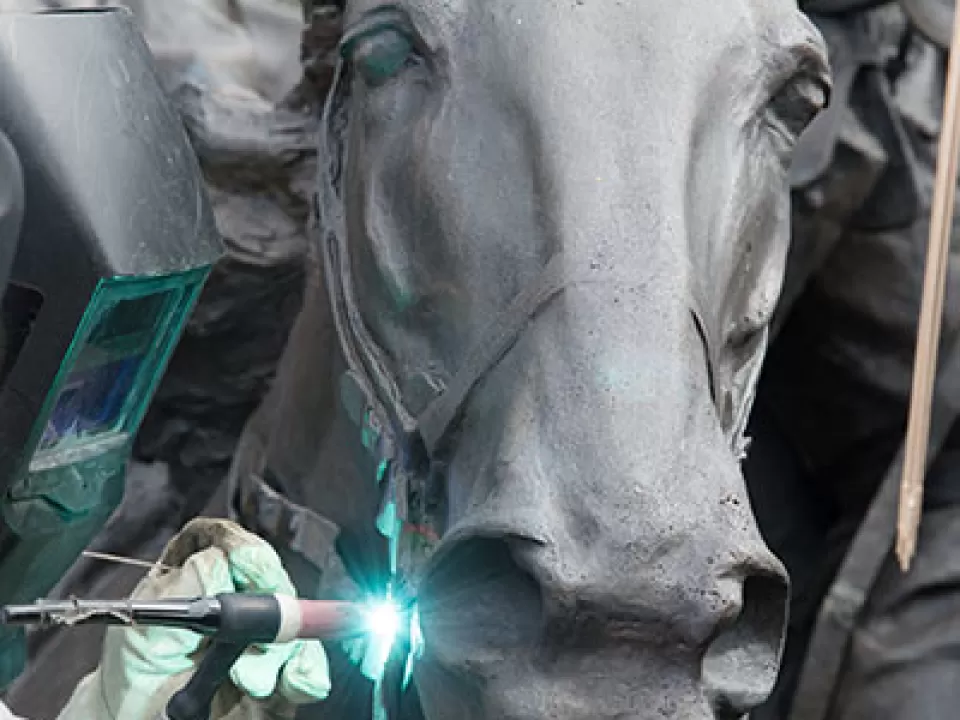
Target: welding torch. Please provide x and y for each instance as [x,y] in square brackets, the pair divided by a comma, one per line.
[233,621]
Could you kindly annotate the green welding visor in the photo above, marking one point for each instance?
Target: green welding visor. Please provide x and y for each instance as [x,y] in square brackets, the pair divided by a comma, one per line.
[102,390]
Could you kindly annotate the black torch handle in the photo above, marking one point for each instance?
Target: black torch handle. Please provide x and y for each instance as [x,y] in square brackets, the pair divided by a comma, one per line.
[194,701]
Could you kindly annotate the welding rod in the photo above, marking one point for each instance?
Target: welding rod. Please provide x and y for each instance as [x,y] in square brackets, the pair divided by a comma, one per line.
[229,617]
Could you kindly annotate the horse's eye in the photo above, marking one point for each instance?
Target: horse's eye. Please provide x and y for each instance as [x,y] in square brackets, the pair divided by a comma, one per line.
[380,55]
[797,104]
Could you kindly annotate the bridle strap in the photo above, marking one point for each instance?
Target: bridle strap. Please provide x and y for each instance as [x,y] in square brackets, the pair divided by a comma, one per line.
[380,393]
[442,414]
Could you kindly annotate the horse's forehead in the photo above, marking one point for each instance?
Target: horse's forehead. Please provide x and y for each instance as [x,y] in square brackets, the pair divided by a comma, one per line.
[678,24]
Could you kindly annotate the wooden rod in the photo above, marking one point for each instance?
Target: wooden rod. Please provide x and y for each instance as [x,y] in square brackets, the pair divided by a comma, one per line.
[931,314]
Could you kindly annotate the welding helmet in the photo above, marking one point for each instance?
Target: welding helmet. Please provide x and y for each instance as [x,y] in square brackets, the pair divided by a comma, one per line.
[116,241]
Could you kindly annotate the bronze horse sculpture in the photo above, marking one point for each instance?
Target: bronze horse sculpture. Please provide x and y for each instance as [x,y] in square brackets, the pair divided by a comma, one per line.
[553,236]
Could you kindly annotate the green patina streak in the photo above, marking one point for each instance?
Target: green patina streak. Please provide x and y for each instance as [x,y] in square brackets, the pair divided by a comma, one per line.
[382,470]
[368,435]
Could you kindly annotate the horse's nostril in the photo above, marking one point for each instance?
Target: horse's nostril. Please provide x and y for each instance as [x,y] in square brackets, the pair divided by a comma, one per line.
[478,599]
[740,665]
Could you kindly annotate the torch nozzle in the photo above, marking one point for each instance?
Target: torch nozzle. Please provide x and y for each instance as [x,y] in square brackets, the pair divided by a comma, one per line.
[234,617]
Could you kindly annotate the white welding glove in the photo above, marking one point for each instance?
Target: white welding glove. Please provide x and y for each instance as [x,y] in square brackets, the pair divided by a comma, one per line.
[141,668]
[5,713]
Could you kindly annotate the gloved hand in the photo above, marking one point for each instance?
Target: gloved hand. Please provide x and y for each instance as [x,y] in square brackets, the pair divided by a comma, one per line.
[5,713]
[141,668]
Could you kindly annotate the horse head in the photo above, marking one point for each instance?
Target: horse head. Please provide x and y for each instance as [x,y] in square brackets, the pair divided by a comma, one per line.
[554,236]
